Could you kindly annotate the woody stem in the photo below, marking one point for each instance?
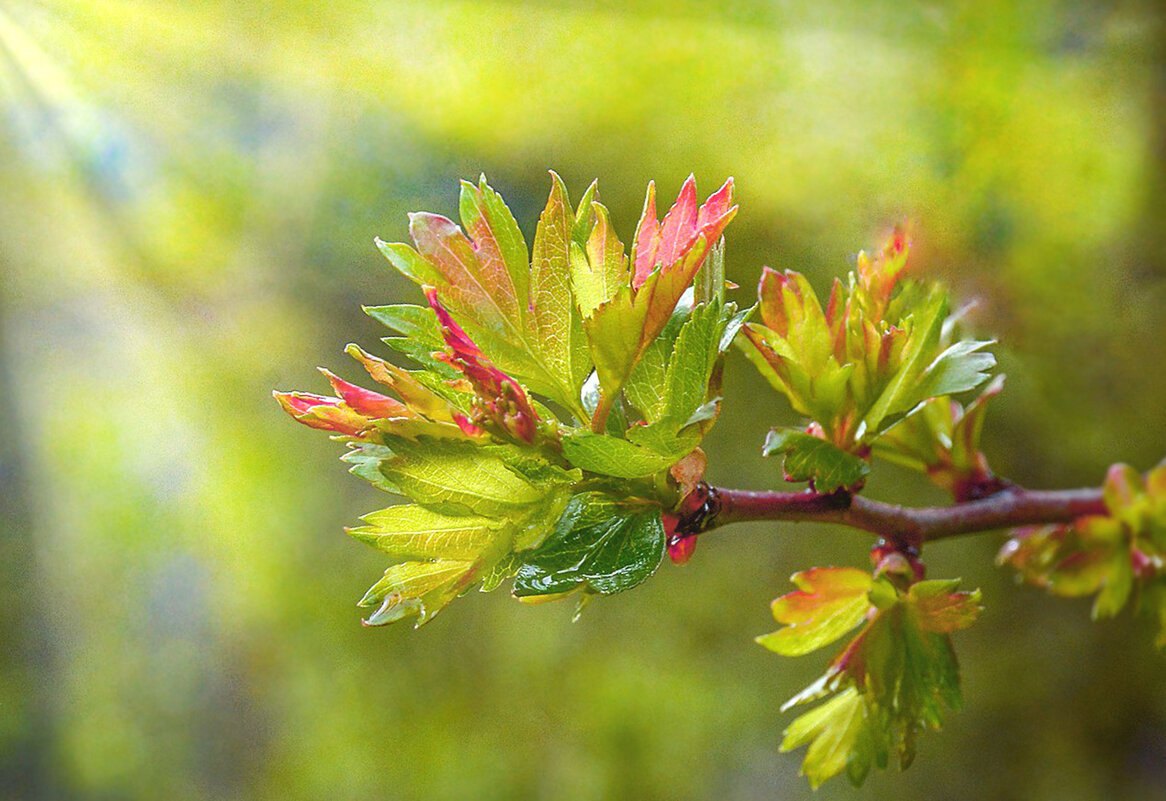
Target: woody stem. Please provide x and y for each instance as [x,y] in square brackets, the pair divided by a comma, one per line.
[1014,506]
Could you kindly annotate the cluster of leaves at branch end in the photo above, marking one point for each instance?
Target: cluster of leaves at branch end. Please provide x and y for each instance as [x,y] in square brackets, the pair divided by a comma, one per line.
[1120,556]
[896,677]
[555,389]
[880,349]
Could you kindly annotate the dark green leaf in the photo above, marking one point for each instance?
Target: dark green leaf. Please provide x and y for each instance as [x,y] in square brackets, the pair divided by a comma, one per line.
[808,458]
[598,544]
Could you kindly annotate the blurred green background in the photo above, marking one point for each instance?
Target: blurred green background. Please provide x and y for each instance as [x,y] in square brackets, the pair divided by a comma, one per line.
[188,197]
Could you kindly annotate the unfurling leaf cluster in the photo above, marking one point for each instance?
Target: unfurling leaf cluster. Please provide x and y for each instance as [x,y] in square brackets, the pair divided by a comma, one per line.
[896,677]
[1118,557]
[555,386]
[881,350]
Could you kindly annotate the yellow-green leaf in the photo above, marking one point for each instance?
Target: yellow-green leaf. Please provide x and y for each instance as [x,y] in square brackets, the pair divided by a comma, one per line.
[410,531]
[829,602]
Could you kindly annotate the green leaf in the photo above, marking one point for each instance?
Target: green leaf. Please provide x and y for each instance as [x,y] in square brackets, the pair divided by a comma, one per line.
[507,238]
[693,358]
[841,737]
[808,458]
[518,311]
[829,602]
[1067,560]
[620,330]
[614,332]
[366,459]
[1125,495]
[611,456]
[939,609]
[476,505]
[959,368]
[457,477]
[420,335]
[415,322]
[734,326]
[902,394]
[905,659]
[498,572]
[555,324]
[585,216]
[417,588]
[410,263]
[646,384]
[1115,587]
[599,269]
[900,671]
[409,531]
[664,440]
[598,544]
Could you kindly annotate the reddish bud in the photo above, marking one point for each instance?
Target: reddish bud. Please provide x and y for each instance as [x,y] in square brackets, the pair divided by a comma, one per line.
[896,561]
[365,401]
[680,549]
[323,412]
[501,399]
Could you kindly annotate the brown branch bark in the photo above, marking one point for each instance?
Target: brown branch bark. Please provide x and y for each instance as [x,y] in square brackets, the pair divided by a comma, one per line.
[904,525]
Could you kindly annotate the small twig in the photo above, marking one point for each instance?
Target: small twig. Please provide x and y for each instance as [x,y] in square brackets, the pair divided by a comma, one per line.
[1011,507]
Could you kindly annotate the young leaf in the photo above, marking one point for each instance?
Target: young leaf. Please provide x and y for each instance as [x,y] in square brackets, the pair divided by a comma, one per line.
[498,240]
[599,545]
[522,317]
[808,458]
[457,477]
[902,393]
[1108,555]
[420,335]
[666,258]
[942,438]
[646,385]
[828,603]
[612,456]
[409,531]
[841,735]
[959,368]
[366,458]
[693,358]
[876,351]
[420,589]
[502,403]
[555,321]
[599,269]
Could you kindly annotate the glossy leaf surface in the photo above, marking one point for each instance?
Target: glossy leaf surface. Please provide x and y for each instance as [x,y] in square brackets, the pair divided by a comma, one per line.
[598,545]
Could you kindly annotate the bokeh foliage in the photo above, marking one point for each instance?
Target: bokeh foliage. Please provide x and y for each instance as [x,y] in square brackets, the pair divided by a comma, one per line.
[188,198]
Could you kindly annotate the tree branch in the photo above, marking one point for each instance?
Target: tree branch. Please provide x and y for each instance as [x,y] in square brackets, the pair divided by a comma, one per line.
[1014,506]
